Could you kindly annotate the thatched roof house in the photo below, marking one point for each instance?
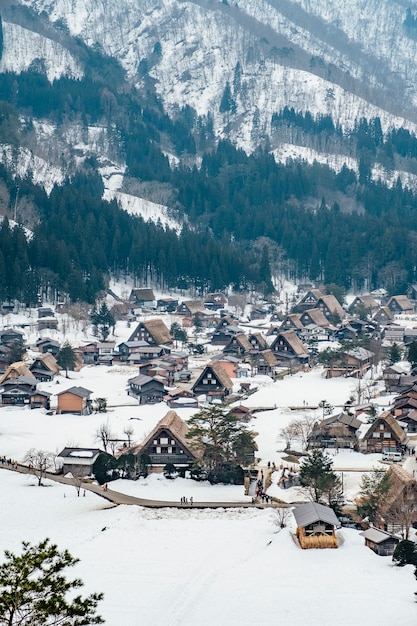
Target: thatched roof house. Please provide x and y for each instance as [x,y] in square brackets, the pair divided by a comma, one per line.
[153,331]
[167,443]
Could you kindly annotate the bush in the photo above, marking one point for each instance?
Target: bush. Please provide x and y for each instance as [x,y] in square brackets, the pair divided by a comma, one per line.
[226,474]
[405,553]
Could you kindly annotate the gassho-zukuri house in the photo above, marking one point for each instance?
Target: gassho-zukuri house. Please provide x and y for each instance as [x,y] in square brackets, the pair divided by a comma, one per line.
[167,443]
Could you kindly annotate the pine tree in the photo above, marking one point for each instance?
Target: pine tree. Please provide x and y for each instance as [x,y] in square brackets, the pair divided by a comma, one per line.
[67,357]
[412,354]
[34,589]
[394,353]
[317,475]
[102,320]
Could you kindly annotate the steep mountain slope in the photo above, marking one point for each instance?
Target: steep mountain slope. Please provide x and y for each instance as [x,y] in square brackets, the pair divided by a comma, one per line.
[347,59]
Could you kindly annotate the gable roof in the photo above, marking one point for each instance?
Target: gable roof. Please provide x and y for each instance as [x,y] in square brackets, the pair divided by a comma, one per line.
[49,362]
[19,368]
[293,341]
[220,374]
[172,422]
[81,392]
[402,301]
[317,317]
[390,420]
[142,295]
[333,304]
[156,328]
[376,535]
[312,512]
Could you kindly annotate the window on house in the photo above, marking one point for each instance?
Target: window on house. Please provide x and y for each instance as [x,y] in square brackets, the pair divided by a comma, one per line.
[375,435]
[163,441]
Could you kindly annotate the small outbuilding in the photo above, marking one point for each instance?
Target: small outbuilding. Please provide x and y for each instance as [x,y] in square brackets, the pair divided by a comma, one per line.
[316,525]
[380,541]
[78,461]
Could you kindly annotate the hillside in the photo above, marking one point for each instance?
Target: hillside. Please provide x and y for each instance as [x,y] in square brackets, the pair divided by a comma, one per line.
[274,128]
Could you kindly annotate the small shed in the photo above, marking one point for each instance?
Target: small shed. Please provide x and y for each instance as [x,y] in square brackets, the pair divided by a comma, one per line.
[380,541]
[316,525]
[78,461]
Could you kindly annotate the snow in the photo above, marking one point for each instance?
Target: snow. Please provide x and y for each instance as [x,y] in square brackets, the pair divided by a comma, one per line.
[176,566]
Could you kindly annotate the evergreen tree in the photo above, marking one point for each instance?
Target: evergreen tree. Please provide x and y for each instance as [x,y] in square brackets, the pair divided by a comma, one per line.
[227,103]
[405,553]
[394,353]
[35,590]
[317,476]
[102,320]
[67,357]
[412,355]
[224,439]
[374,490]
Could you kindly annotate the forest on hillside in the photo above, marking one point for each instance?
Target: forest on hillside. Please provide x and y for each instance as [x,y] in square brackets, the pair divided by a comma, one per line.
[246,217]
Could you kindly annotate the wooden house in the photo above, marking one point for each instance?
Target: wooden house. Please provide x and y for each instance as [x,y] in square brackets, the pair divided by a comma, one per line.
[337,431]
[383,316]
[380,541]
[229,363]
[316,525]
[146,389]
[78,461]
[242,413]
[266,363]
[402,496]
[17,391]
[142,298]
[48,345]
[225,329]
[74,400]
[364,303]
[384,434]
[354,363]
[40,399]
[238,345]
[167,443]
[168,305]
[258,342]
[291,321]
[11,335]
[215,301]
[105,352]
[309,300]
[50,323]
[88,354]
[396,376]
[258,313]
[330,307]
[190,308]
[127,349]
[153,331]
[213,382]
[180,398]
[45,367]
[288,347]
[400,305]
[314,316]
[15,370]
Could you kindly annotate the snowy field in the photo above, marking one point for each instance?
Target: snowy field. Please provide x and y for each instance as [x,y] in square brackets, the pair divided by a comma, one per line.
[223,567]
[171,567]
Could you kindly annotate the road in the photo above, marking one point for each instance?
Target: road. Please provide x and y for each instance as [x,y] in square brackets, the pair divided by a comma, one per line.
[116,498]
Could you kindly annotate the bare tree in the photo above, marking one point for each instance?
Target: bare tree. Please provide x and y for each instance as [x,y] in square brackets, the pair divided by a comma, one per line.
[104,434]
[289,434]
[304,427]
[128,431]
[39,462]
[402,512]
[282,515]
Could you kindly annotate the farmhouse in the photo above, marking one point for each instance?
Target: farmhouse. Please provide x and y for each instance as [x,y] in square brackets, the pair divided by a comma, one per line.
[214,382]
[166,443]
[384,434]
[154,332]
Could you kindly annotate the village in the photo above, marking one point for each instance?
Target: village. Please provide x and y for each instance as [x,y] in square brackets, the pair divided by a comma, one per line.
[134,388]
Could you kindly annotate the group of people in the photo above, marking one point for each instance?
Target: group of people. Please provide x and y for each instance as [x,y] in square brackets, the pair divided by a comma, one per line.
[185,500]
[9,462]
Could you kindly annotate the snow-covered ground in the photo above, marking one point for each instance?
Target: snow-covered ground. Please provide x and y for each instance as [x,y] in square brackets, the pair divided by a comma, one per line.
[183,567]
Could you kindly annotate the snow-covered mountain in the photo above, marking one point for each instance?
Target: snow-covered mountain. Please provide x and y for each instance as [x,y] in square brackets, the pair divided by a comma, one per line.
[347,60]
